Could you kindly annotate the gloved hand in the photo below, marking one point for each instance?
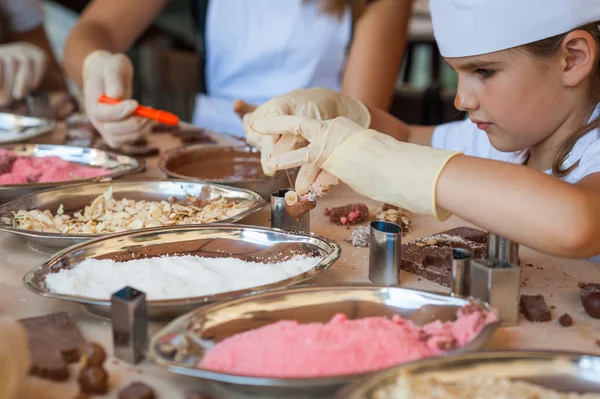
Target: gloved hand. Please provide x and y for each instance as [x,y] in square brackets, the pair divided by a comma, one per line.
[111,75]
[22,67]
[370,162]
[316,103]
[14,357]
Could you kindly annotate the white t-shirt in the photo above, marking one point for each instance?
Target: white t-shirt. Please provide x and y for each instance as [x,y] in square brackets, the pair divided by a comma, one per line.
[259,49]
[22,15]
[464,136]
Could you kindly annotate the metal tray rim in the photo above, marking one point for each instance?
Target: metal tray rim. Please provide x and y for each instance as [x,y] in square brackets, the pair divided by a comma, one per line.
[368,384]
[260,203]
[141,166]
[327,261]
[162,164]
[235,379]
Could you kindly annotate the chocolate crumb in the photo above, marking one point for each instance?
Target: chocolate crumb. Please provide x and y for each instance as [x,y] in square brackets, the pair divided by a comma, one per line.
[419,279]
[552,307]
[598,343]
[528,265]
[566,320]
[534,308]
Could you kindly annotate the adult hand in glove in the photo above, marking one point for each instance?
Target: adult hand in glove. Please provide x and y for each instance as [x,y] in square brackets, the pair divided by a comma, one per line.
[111,75]
[316,103]
[22,67]
[370,162]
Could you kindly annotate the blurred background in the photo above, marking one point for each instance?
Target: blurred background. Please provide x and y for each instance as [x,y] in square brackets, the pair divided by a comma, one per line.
[166,73]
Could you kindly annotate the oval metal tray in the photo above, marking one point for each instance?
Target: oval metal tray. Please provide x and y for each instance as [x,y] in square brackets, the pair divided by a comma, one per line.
[76,197]
[215,240]
[565,372]
[171,161]
[180,346]
[119,165]
[15,128]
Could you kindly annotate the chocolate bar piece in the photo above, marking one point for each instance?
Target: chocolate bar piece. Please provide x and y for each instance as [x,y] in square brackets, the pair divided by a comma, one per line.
[137,390]
[431,257]
[348,214]
[590,298]
[54,341]
[535,309]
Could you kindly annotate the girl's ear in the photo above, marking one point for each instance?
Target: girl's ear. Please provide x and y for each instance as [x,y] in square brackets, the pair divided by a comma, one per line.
[578,57]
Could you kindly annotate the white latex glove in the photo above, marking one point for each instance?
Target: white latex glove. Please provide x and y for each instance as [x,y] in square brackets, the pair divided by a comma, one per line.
[22,67]
[316,103]
[15,360]
[371,163]
[111,75]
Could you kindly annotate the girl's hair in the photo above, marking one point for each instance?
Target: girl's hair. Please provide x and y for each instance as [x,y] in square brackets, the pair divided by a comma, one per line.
[338,7]
[546,48]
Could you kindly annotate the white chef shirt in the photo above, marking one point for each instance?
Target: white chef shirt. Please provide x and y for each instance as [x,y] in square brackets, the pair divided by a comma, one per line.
[259,49]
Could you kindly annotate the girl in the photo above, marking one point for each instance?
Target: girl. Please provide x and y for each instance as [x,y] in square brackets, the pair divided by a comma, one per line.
[248,49]
[525,166]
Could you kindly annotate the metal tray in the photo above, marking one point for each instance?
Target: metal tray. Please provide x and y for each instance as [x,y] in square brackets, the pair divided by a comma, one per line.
[119,165]
[15,128]
[180,346]
[76,197]
[172,160]
[215,240]
[566,372]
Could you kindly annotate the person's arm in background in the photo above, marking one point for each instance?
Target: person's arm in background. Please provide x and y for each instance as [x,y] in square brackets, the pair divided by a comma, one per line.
[377,51]
[110,25]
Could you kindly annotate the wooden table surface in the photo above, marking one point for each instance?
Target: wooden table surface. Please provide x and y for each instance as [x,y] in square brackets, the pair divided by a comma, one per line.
[555,278]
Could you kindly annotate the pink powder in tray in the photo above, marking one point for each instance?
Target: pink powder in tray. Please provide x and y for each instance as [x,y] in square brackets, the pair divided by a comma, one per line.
[288,349]
[23,170]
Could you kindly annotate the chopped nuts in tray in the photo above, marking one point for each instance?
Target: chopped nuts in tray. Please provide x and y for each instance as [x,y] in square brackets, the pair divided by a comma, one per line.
[108,215]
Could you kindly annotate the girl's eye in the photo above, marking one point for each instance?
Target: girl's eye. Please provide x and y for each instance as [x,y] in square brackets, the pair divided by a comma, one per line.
[485,73]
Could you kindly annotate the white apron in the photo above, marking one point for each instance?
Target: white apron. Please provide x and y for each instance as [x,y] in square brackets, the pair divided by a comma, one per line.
[259,49]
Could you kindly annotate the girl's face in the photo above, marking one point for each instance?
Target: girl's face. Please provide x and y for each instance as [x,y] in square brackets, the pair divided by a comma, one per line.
[517,99]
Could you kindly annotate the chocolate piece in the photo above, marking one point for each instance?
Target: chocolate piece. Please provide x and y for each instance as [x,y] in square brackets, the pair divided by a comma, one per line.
[298,206]
[590,299]
[566,320]
[360,237]
[535,309]
[93,355]
[54,341]
[348,214]
[431,256]
[137,390]
[93,380]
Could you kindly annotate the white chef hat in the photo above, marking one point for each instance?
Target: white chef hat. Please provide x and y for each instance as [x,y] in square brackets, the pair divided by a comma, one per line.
[472,27]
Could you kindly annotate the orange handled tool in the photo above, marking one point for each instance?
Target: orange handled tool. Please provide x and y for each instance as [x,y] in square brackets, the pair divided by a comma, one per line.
[146,112]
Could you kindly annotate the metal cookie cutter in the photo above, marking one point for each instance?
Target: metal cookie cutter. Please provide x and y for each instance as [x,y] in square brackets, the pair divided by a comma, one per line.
[461,262]
[281,219]
[502,249]
[497,282]
[130,324]
[385,253]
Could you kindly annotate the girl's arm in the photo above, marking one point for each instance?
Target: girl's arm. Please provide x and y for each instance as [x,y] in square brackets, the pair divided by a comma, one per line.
[111,25]
[376,54]
[394,127]
[525,205]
